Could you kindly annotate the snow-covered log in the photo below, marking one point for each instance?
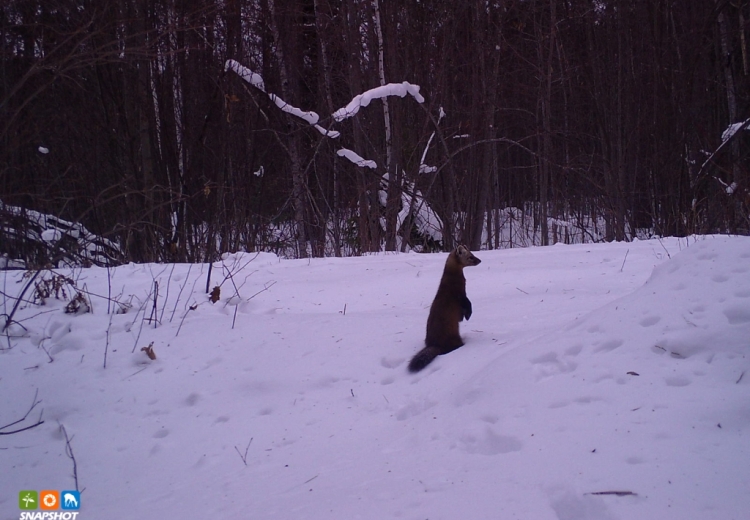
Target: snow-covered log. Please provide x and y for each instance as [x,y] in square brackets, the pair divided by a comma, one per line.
[33,239]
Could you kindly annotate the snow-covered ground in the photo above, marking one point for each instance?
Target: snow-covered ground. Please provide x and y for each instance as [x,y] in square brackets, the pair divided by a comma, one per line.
[597,382]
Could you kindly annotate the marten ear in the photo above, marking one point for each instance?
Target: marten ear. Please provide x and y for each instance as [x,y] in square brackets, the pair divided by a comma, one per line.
[461,250]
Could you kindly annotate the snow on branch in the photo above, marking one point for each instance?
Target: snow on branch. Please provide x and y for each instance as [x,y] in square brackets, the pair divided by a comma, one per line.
[309,116]
[733,129]
[248,75]
[356,159]
[362,100]
[256,80]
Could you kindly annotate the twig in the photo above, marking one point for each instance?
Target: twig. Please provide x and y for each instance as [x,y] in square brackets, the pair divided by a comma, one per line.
[153,315]
[39,421]
[9,320]
[192,291]
[69,453]
[191,308]
[265,288]
[187,277]
[234,317]
[522,290]
[244,457]
[208,277]
[135,373]
[109,291]
[106,345]
[741,376]
[140,329]
[41,345]
[665,249]
[623,262]
[615,493]
[230,277]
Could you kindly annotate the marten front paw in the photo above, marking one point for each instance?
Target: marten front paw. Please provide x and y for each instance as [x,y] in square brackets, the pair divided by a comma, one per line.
[466,308]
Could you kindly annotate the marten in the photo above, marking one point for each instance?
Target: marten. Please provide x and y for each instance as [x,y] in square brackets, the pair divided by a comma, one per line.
[448,308]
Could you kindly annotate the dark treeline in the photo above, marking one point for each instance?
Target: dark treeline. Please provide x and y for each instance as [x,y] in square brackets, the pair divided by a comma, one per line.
[119,114]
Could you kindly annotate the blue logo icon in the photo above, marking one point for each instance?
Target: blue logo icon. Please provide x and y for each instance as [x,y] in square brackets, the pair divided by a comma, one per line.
[70,500]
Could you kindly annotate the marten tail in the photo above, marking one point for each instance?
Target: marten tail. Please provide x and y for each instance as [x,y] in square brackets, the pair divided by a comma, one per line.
[423,358]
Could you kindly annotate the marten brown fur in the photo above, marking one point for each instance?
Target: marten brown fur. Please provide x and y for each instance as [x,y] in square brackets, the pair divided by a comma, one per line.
[448,308]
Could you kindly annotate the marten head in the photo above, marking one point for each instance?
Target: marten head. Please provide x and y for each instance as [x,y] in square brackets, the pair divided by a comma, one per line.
[465,257]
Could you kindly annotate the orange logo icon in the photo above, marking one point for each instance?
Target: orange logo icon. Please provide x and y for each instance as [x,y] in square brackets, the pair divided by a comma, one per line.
[49,499]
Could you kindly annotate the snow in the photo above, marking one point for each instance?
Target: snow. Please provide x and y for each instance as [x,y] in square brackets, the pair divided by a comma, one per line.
[248,75]
[732,129]
[587,370]
[308,116]
[356,159]
[43,150]
[256,80]
[51,235]
[364,99]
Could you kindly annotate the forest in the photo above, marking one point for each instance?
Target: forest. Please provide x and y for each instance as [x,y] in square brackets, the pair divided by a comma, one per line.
[177,131]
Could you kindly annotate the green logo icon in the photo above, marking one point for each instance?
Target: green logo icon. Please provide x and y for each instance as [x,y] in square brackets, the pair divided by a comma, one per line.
[28,500]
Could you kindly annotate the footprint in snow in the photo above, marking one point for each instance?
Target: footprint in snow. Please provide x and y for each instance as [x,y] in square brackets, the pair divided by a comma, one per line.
[609,345]
[572,506]
[737,314]
[391,362]
[414,409]
[649,321]
[677,381]
[489,443]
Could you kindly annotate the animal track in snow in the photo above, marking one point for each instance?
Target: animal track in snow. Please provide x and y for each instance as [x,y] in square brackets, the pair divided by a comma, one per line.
[413,409]
[391,362]
[161,433]
[571,506]
[719,278]
[649,321]
[594,329]
[609,345]
[489,443]
[549,364]
[677,381]
[737,314]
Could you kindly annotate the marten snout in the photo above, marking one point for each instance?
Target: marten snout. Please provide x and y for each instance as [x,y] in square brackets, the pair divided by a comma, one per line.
[467,257]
